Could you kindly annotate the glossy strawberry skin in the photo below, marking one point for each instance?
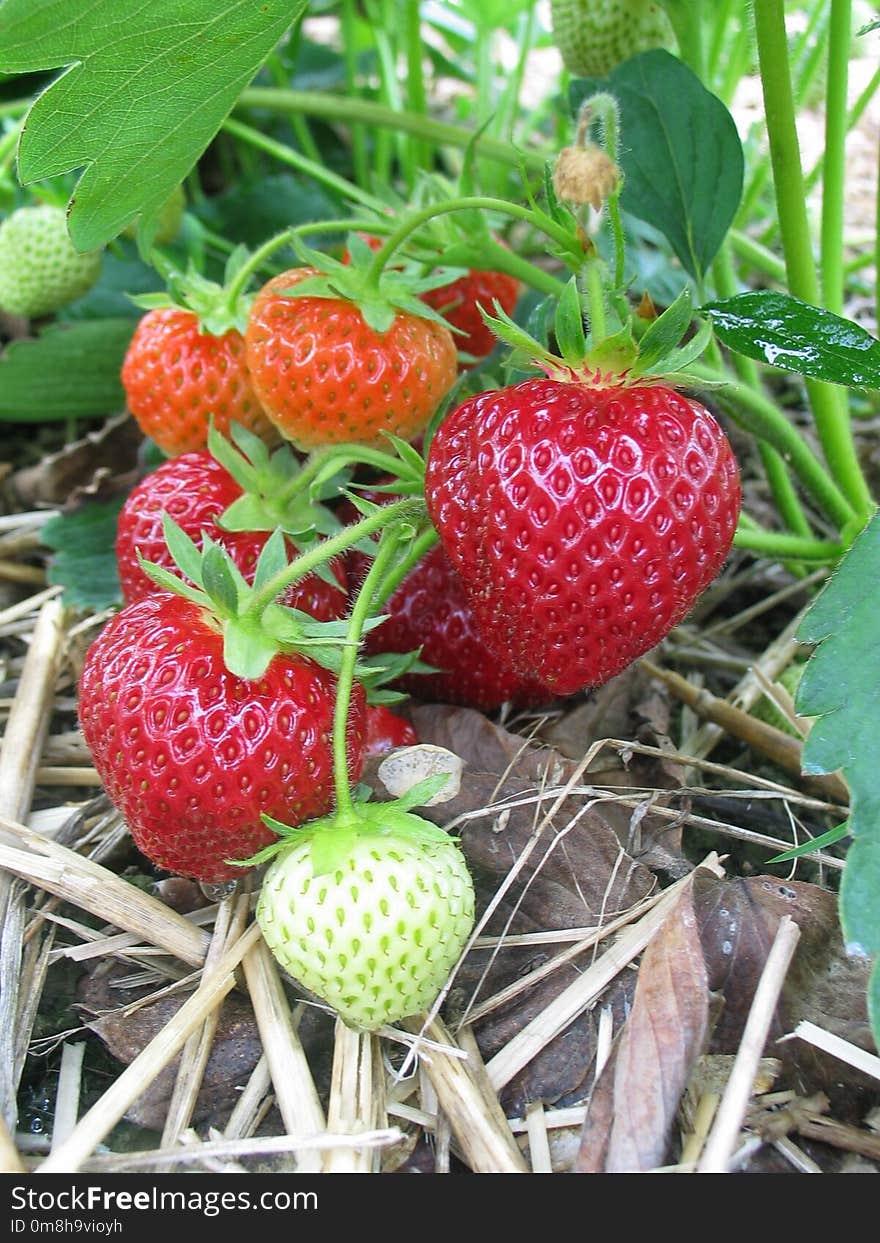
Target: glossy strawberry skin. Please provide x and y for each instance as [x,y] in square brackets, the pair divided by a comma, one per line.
[386,731]
[195,490]
[583,521]
[191,754]
[430,610]
[460,304]
[325,377]
[176,378]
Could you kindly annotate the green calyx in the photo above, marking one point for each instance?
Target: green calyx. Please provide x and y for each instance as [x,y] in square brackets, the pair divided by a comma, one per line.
[253,631]
[219,308]
[332,837]
[278,491]
[614,353]
[379,292]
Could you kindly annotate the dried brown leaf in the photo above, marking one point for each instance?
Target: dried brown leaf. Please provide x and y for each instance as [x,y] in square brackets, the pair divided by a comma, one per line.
[95,467]
[235,1052]
[634,1111]
[738,919]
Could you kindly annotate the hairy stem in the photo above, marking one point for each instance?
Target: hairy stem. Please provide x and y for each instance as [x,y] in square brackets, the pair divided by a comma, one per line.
[339,108]
[827,402]
[363,607]
[787,547]
[411,509]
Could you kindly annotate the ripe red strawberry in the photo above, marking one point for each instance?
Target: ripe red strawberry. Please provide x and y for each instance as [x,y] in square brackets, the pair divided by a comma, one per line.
[460,300]
[177,377]
[386,730]
[430,610]
[460,304]
[195,490]
[193,755]
[584,521]
[324,376]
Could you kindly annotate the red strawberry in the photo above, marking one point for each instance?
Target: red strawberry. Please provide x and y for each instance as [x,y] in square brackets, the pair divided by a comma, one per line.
[196,490]
[430,610]
[386,730]
[194,755]
[176,377]
[460,304]
[324,376]
[584,521]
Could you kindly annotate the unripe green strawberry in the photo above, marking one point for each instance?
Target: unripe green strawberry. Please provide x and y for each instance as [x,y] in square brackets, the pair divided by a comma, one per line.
[593,36]
[370,922]
[40,271]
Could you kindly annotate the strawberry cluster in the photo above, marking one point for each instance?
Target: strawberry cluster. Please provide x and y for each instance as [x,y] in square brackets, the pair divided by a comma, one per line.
[235,697]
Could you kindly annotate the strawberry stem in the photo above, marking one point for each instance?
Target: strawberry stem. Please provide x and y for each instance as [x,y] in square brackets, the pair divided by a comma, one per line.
[787,547]
[422,544]
[538,219]
[758,415]
[605,109]
[827,401]
[363,607]
[412,508]
[350,110]
[255,261]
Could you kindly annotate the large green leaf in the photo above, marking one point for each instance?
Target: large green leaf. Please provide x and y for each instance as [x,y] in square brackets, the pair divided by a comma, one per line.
[679,150]
[146,87]
[84,557]
[795,336]
[839,686]
[71,371]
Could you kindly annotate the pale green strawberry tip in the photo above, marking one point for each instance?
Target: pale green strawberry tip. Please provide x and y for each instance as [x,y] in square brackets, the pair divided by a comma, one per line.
[594,36]
[40,270]
[377,938]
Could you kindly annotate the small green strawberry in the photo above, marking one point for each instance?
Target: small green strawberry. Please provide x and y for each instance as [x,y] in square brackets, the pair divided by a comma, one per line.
[40,271]
[594,36]
[368,909]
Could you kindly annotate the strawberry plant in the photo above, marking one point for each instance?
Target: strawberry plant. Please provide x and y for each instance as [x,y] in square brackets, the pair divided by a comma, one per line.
[438,384]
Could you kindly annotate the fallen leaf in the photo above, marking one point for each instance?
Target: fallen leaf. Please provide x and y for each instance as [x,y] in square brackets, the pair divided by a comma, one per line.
[98,465]
[236,1049]
[654,1053]
[738,918]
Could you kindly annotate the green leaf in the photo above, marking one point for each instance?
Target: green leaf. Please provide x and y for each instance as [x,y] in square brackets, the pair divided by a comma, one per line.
[71,371]
[251,212]
[170,582]
[570,336]
[145,90]
[680,153]
[666,331]
[271,561]
[84,560]
[780,330]
[222,581]
[839,687]
[184,552]
[677,360]
[831,838]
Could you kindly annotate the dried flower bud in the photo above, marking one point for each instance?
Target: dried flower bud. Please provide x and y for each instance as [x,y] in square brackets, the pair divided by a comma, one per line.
[585,175]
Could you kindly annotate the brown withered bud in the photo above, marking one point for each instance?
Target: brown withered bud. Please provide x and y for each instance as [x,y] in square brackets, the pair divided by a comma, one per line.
[585,175]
